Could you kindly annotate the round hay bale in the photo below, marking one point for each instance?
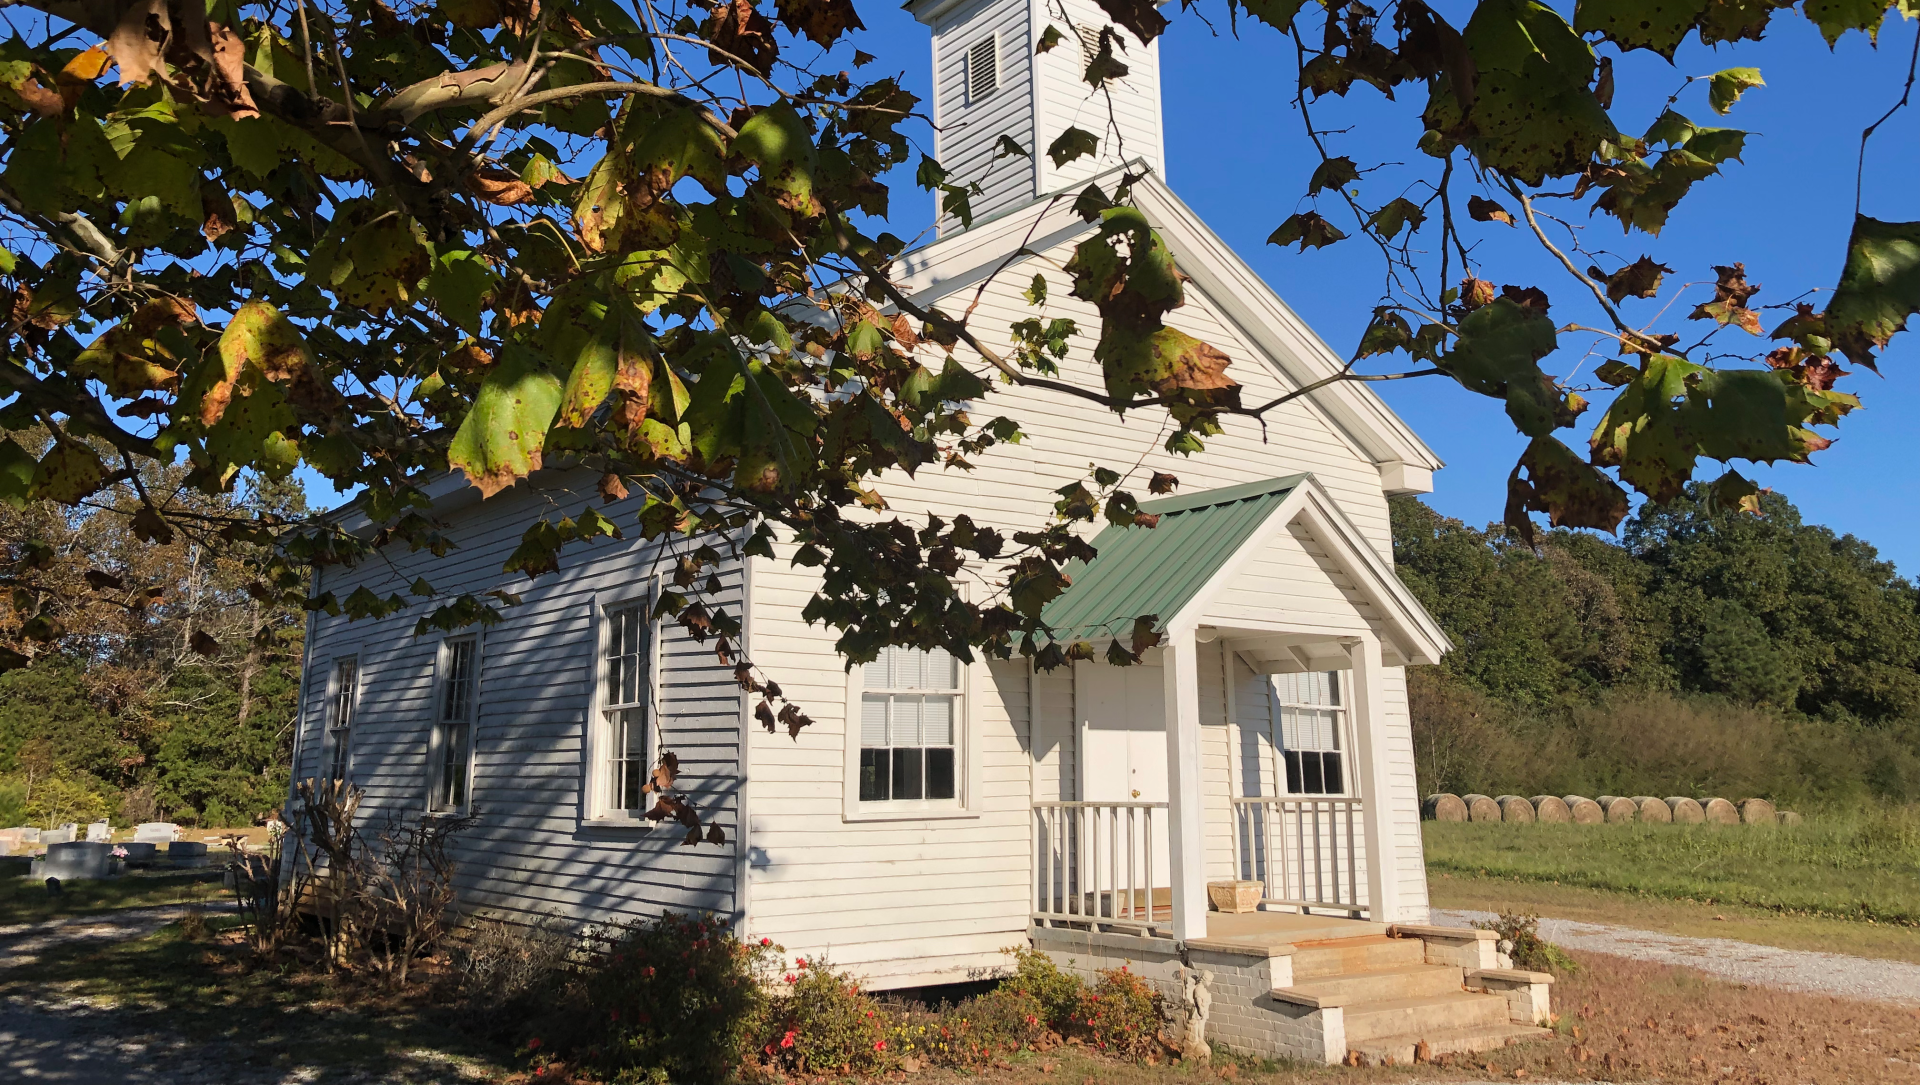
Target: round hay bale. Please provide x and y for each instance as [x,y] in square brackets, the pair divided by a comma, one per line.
[1443,807]
[1757,812]
[1788,817]
[1551,808]
[1481,808]
[1618,809]
[1652,809]
[1720,812]
[1515,808]
[1584,810]
[1685,810]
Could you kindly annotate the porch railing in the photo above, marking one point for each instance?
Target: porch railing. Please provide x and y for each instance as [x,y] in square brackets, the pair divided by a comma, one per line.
[1305,850]
[1095,863]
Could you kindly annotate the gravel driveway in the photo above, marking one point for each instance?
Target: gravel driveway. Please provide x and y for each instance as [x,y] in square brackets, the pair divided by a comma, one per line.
[1837,974]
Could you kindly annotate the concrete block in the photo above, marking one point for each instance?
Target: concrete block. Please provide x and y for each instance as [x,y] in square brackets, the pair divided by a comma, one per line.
[1527,993]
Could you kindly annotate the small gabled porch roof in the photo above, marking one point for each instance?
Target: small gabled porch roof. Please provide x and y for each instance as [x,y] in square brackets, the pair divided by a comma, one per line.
[1175,569]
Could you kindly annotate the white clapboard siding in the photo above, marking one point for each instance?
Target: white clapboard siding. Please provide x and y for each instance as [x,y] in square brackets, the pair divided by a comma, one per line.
[1124,114]
[968,132]
[529,852]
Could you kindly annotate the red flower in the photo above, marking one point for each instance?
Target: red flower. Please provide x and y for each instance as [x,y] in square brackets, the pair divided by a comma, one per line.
[789,977]
[533,1044]
[766,941]
[539,1071]
[769,1049]
[879,1045]
[787,1040]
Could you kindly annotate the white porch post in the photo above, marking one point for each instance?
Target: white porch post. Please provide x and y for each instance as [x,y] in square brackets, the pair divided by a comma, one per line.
[1186,858]
[1366,702]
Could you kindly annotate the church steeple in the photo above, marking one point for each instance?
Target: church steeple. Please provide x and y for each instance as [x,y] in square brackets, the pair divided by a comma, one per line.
[989,82]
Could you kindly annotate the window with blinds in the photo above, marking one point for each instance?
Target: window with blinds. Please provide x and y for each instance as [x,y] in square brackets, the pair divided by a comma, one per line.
[983,68]
[453,730]
[626,706]
[340,717]
[1311,722]
[909,714]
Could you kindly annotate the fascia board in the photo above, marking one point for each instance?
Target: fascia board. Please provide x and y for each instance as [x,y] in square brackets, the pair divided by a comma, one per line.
[1373,576]
[1300,353]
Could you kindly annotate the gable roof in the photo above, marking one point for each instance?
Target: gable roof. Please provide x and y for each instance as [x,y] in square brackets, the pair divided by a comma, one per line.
[964,260]
[1160,570]
[1174,570]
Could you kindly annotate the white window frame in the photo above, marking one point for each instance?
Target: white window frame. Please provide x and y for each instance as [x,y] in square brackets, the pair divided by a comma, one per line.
[597,788]
[336,742]
[1342,732]
[966,769]
[993,41]
[437,733]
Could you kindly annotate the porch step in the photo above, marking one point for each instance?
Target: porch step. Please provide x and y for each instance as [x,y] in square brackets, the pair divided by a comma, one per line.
[1410,981]
[1423,1016]
[1368,953]
[1454,1041]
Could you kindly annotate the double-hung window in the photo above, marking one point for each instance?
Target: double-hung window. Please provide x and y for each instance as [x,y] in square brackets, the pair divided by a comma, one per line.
[626,706]
[340,704]
[911,706]
[1312,723]
[455,708]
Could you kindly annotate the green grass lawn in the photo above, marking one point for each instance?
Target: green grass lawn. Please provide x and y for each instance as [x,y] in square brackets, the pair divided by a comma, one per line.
[1861,865]
[26,900]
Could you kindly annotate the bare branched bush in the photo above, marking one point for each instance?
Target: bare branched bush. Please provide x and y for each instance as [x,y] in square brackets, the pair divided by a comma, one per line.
[505,970]
[409,897]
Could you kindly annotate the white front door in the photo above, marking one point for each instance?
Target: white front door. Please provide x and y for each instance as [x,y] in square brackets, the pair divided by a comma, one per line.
[1123,747]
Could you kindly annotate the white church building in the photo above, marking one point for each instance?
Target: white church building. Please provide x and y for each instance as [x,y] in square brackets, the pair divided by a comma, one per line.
[1243,805]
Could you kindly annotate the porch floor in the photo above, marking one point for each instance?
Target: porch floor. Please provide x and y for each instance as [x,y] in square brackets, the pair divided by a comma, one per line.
[1263,929]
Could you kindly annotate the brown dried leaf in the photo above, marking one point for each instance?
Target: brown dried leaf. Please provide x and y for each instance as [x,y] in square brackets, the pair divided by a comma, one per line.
[763,712]
[1729,304]
[103,581]
[612,488]
[1474,293]
[741,31]
[822,21]
[500,186]
[1481,210]
[1162,483]
[203,644]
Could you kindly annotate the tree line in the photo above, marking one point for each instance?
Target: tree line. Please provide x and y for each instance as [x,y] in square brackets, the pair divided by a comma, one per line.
[1706,649]
[164,686]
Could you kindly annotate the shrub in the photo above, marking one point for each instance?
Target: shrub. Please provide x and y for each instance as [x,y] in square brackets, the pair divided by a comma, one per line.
[970,1034]
[504,972]
[1121,1014]
[1530,951]
[1056,992]
[672,999]
[824,1023]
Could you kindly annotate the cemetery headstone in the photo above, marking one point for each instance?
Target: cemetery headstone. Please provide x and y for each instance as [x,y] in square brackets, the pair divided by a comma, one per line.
[62,834]
[71,860]
[99,831]
[140,851]
[156,832]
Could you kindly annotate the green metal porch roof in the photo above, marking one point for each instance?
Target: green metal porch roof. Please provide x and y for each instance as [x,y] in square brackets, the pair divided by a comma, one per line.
[1159,570]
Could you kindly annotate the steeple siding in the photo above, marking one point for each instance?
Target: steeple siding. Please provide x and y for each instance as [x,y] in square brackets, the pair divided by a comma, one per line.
[1031,98]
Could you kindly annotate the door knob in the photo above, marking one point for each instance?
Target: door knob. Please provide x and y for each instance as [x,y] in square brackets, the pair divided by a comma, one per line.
[1136,792]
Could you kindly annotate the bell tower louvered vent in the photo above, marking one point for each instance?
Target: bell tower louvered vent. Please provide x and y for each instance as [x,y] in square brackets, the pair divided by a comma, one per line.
[983,68]
[1009,81]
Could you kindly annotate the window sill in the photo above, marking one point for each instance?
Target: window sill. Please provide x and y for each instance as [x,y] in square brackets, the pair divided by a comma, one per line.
[907,812]
[617,826]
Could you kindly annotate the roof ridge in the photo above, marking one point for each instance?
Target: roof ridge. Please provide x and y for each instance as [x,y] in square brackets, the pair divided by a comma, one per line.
[1222,495]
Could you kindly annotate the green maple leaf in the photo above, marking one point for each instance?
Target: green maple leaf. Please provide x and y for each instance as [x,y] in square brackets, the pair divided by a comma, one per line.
[1071,144]
[1879,287]
[500,440]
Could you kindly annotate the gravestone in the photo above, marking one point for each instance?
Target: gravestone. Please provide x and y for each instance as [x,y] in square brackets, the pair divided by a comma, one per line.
[1443,808]
[62,834]
[99,831]
[1685,811]
[1652,809]
[10,841]
[140,851]
[187,853]
[1514,808]
[29,834]
[1551,808]
[1584,810]
[156,832]
[76,860]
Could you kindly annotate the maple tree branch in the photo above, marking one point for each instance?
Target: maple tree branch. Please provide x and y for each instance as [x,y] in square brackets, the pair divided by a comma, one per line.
[581,90]
[1344,376]
[1599,295]
[1906,95]
[15,379]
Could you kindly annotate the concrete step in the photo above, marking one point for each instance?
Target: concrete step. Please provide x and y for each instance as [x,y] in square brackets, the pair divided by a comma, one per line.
[1455,1041]
[1410,981]
[1432,1013]
[1369,953]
